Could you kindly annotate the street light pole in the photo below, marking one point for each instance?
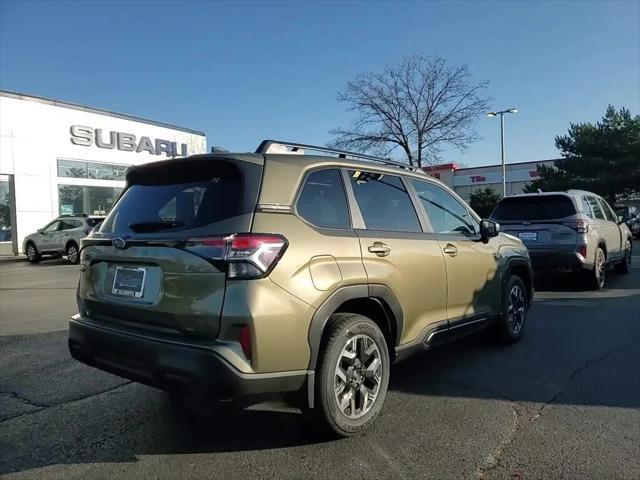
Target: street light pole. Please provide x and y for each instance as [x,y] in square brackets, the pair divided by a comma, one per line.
[504,167]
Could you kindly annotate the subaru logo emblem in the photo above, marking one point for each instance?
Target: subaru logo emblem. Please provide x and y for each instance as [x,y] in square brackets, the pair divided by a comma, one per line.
[119,243]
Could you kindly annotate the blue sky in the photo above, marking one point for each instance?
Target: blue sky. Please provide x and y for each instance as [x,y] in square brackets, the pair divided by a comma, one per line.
[245,71]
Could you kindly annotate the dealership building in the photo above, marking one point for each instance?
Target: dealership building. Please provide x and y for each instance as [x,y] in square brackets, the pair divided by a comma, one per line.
[466,180]
[62,158]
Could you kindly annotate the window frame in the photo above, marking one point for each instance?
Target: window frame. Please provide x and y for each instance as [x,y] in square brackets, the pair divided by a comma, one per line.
[358,218]
[431,230]
[303,183]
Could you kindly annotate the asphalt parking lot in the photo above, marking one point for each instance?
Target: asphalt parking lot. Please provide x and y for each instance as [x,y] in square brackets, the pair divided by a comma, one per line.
[563,403]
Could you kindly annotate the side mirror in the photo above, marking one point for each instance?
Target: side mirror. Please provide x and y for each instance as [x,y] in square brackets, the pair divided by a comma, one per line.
[620,220]
[40,230]
[488,229]
[87,231]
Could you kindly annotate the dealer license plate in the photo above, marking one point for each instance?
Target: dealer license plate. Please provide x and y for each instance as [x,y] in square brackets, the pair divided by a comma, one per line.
[528,236]
[129,282]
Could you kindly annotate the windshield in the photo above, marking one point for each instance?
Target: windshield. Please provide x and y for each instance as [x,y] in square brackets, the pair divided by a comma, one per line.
[186,196]
[545,207]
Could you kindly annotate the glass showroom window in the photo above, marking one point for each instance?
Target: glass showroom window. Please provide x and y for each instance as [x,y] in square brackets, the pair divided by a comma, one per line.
[69,168]
[100,171]
[5,209]
[86,199]
[93,170]
[118,172]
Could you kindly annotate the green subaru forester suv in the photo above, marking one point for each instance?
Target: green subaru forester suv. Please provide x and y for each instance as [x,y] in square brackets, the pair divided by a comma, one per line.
[231,275]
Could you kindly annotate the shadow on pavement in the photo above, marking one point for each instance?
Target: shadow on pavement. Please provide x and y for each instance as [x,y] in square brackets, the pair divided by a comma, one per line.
[582,353]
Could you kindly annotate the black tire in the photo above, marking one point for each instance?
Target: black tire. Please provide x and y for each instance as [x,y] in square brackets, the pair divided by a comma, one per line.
[624,266]
[73,253]
[515,302]
[347,332]
[596,277]
[33,256]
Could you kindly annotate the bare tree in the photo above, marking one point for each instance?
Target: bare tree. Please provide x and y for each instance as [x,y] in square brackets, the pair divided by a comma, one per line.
[421,106]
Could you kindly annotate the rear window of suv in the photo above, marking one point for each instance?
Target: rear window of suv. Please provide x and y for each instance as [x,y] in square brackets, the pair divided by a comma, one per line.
[187,194]
[543,207]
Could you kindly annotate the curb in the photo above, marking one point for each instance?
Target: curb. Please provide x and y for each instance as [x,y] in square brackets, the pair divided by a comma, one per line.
[12,258]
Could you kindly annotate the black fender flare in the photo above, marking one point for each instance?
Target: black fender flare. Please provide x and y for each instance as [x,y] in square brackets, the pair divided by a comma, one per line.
[70,241]
[519,262]
[601,242]
[379,293]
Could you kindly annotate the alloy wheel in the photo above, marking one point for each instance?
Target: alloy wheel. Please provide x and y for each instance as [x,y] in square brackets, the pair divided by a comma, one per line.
[516,309]
[72,254]
[358,376]
[599,267]
[31,253]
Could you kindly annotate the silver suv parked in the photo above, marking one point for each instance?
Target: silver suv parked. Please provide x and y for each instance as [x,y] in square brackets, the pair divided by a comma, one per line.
[568,231]
[59,237]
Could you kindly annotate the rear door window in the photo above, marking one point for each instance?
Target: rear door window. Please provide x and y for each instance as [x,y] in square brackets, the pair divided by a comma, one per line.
[65,225]
[586,208]
[215,195]
[542,207]
[384,202]
[596,208]
[69,224]
[322,201]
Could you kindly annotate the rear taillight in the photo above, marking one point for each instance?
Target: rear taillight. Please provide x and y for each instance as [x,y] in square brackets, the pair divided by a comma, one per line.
[580,226]
[246,255]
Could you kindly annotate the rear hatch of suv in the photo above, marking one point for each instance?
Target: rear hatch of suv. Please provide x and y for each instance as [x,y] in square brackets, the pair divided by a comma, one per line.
[545,223]
[155,263]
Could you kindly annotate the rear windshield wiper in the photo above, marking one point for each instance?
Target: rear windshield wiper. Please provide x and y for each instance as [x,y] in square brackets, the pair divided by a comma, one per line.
[154,225]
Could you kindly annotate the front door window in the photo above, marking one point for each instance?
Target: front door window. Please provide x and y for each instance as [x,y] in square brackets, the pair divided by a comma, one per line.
[446,214]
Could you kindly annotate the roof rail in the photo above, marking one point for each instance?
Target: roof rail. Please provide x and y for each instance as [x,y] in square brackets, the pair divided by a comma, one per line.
[67,215]
[265,146]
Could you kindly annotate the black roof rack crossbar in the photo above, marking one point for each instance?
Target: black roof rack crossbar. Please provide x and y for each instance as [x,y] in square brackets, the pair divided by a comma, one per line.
[265,144]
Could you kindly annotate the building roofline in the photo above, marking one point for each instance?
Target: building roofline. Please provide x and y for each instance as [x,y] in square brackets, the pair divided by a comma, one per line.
[514,163]
[99,111]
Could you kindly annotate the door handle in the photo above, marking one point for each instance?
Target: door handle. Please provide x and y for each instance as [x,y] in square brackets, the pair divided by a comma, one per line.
[379,249]
[450,250]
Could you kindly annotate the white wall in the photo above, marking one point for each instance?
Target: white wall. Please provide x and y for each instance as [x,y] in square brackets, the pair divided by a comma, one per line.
[33,135]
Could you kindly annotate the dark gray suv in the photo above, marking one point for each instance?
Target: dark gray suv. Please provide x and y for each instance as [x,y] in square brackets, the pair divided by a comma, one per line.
[568,231]
[59,237]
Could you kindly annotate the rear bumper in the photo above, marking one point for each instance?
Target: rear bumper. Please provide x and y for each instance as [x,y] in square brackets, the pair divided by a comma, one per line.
[172,366]
[559,261]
